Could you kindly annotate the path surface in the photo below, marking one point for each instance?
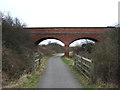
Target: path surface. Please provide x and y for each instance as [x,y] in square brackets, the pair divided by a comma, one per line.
[58,75]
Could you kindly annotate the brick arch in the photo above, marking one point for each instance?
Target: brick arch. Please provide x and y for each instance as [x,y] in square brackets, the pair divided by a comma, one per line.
[67,34]
[93,39]
[62,38]
[45,38]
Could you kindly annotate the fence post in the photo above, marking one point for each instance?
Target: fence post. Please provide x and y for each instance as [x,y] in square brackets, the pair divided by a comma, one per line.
[86,67]
[75,61]
[81,63]
[92,72]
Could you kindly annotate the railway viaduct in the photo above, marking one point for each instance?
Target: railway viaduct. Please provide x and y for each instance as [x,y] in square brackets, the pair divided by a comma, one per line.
[66,34]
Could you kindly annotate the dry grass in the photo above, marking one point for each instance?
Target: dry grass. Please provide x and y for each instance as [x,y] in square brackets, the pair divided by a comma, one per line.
[23,79]
[29,80]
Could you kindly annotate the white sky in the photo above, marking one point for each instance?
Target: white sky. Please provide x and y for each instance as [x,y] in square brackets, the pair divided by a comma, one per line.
[77,42]
[63,13]
[45,42]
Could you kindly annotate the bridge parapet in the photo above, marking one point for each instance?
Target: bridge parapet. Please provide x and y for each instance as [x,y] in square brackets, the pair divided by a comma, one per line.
[68,30]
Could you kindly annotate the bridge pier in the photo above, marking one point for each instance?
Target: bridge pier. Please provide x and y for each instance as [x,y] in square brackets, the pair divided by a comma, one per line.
[67,50]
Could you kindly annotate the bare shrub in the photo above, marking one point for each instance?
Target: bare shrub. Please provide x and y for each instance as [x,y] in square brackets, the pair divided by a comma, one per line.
[17,56]
[105,56]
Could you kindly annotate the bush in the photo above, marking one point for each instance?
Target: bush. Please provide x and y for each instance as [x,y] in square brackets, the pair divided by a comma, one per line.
[14,36]
[17,56]
[84,50]
[105,56]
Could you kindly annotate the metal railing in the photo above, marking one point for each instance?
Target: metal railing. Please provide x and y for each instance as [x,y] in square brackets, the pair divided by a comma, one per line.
[85,66]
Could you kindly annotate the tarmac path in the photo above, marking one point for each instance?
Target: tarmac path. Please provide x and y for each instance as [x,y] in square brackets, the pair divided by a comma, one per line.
[58,75]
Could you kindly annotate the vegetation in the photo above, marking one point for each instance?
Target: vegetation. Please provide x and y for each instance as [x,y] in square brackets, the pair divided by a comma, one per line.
[105,58]
[68,61]
[17,56]
[83,81]
[53,48]
[106,53]
[18,53]
[30,80]
[84,50]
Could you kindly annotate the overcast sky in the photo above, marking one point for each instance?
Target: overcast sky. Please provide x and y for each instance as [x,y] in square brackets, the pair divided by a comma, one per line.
[63,13]
[75,43]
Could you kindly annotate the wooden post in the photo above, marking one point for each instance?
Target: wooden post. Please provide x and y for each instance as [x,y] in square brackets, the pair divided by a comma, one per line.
[92,71]
[81,60]
[75,60]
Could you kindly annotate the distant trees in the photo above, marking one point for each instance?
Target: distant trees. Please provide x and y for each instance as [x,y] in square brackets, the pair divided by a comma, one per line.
[83,49]
[56,47]
[53,48]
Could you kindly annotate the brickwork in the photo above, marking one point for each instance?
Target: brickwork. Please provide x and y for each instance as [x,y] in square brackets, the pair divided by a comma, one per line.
[67,34]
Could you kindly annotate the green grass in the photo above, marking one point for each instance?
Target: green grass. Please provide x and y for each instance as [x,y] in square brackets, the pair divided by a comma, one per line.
[35,76]
[68,61]
[83,81]
[30,80]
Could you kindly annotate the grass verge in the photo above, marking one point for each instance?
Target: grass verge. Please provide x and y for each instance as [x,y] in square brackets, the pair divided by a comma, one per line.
[30,80]
[83,81]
